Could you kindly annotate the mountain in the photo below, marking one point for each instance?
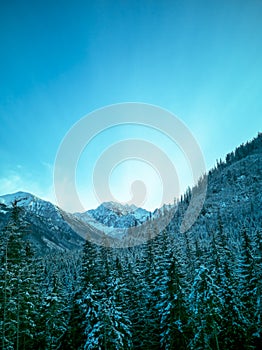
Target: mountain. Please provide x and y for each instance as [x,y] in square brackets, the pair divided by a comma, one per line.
[233,187]
[233,197]
[44,223]
[114,218]
[49,227]
[119,216]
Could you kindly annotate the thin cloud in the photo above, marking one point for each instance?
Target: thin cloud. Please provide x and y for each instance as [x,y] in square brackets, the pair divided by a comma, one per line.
[14,181]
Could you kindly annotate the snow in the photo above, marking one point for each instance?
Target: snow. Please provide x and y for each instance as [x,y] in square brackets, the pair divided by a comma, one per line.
[114,218]
[51,245]
[22,199]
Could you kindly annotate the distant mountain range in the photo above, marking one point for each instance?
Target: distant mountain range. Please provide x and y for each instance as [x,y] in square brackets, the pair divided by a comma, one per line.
[234,188]
[114,215]
[49,227]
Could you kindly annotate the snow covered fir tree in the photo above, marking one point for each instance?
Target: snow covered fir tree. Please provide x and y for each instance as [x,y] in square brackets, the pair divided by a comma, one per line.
[195,290]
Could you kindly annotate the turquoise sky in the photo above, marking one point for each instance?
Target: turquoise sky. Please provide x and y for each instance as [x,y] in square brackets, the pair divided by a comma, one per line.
[60,60]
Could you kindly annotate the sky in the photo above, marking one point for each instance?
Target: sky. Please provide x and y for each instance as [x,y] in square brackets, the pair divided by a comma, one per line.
[62,60]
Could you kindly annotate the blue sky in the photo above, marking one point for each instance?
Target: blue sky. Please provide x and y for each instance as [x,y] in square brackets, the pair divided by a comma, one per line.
[61,60]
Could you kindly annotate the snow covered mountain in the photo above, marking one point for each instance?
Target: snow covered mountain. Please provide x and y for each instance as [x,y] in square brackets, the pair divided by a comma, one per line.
[234,187]
[45,226]
[113,219]
[32,204]
[115,215]
[49,227]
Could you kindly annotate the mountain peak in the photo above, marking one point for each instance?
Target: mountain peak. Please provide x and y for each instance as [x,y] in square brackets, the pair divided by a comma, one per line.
[45,226]
[20,198]
[115,215]
[119,208]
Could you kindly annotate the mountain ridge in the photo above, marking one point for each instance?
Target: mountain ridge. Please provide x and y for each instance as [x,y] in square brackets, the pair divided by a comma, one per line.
[231,184]
[61,230]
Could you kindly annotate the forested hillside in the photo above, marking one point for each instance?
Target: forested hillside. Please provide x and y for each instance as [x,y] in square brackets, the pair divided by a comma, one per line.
[195,290]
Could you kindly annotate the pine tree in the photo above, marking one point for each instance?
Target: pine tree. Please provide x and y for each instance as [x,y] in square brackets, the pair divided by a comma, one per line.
[117,325]
[250,279]
[231,334]
[171,308]
[204,317]
[18,287]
